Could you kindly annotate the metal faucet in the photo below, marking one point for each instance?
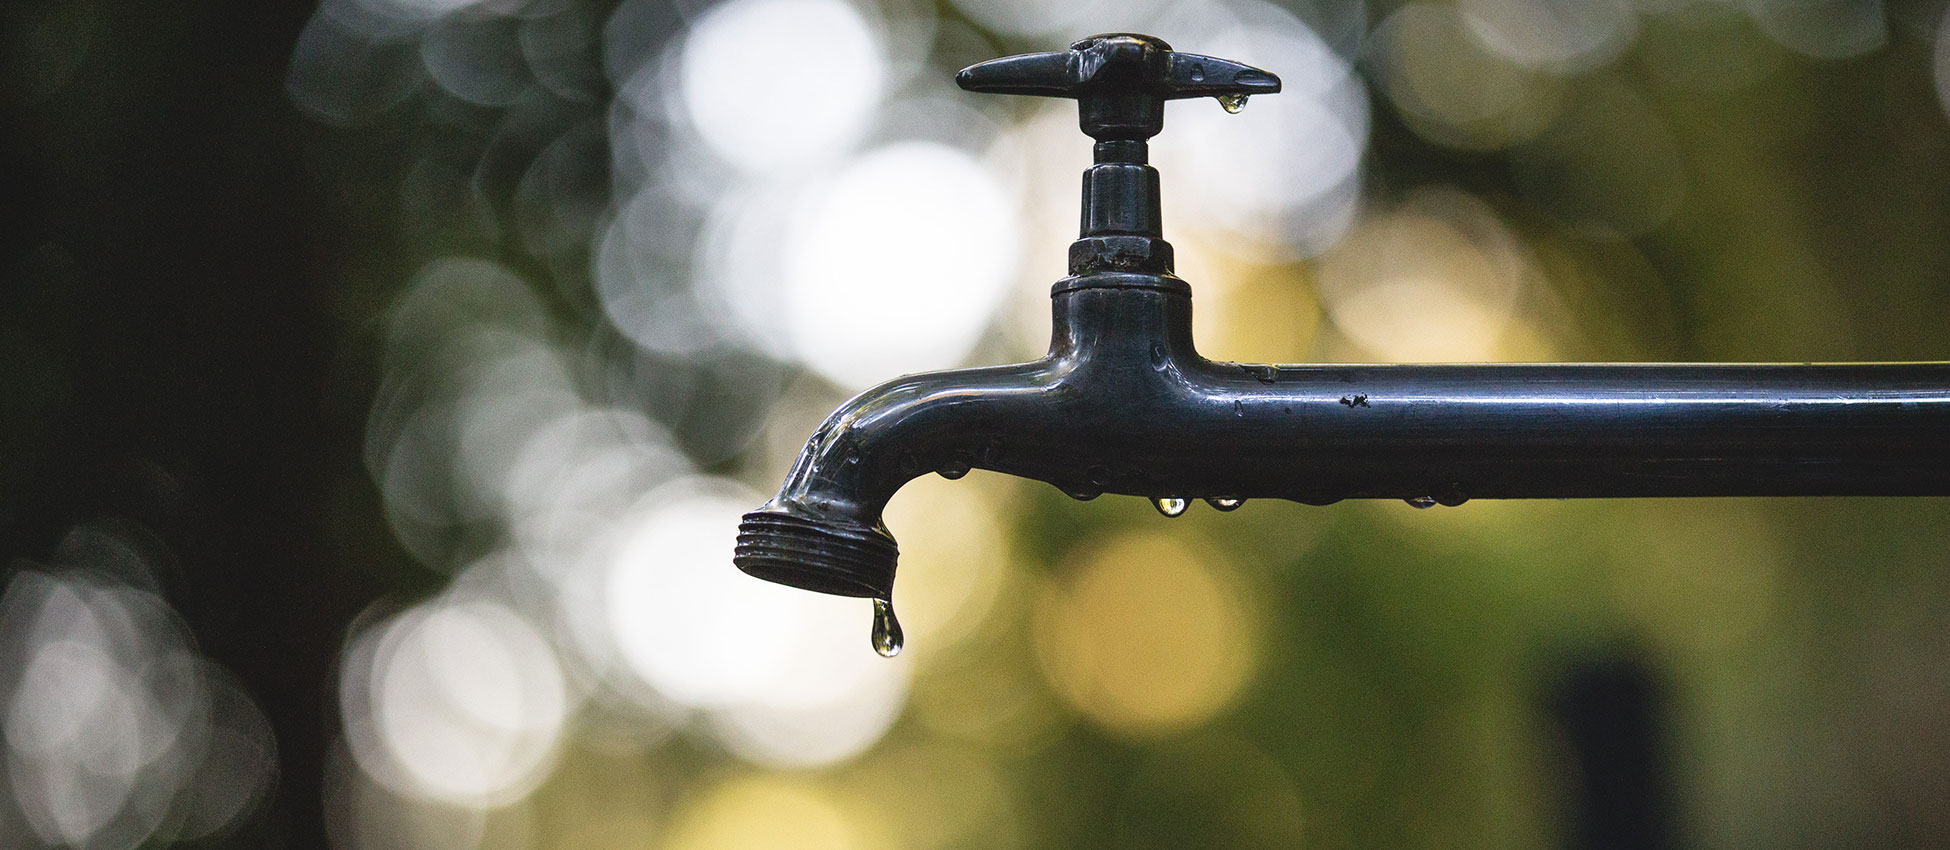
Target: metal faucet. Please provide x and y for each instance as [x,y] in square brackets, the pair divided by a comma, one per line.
[1123,403]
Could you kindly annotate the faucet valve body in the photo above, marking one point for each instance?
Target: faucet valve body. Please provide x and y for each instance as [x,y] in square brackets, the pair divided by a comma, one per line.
[1120,82]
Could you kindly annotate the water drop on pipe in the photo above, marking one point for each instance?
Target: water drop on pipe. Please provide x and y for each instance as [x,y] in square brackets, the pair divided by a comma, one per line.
[1421,502]
[1171,505]
[1225,503]
[953,469]
[1232,102]
[886,629]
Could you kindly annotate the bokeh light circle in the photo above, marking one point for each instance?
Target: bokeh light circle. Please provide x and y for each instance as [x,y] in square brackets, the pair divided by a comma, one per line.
[1563,36]
[754,812]
[897,263]
[1279,178]
[769,83]
[1451,89]
[784,677]
[1435,280]
[116,733]
[1147,636]
[467,700]
[1943,62]
[1825,29]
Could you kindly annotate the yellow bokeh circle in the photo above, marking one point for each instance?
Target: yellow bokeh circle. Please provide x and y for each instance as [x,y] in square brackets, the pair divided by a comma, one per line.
[766,813]
[1146,634]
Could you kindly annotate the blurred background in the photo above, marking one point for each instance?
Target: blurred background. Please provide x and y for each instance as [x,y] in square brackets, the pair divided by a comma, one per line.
[381,382]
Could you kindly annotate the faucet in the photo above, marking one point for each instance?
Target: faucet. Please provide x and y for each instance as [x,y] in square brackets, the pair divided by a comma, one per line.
[1124,404]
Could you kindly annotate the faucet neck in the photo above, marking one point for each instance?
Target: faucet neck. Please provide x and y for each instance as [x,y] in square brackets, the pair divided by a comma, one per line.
[1120,192]
[1122,227]
[1123,328]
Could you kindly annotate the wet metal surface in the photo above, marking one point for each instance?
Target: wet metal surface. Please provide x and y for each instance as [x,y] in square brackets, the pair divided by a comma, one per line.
[1124,404]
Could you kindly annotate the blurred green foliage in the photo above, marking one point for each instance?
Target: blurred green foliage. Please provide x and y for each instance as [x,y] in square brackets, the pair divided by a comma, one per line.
[1707,193]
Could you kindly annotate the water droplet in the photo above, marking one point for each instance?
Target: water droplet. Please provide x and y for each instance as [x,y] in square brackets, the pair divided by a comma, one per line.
[1084,495]
[1421,502]
[1232,102]
[1171,505]
[953,469]
[886,629]
[1225,503]
[1198,72]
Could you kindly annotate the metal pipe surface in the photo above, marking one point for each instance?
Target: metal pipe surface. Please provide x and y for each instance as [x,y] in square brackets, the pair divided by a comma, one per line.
[1124,404]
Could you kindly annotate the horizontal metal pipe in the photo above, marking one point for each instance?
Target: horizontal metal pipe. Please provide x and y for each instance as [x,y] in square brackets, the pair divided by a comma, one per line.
[1558,431]
[1124,404]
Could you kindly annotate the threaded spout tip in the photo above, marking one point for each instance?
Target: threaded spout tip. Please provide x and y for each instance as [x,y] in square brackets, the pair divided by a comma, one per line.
[824,556]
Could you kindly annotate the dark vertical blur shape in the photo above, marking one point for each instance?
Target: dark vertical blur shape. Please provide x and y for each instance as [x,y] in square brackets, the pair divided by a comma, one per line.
[187,332]
[1612,712]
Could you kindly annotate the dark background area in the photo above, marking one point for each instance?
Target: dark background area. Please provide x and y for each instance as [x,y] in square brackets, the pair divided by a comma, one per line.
[166,351]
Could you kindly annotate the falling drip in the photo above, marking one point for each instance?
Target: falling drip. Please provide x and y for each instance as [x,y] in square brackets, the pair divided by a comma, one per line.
[1225,503]
[886,629]
[953,469]
[1232,102]
[1422,502]
[1171,505]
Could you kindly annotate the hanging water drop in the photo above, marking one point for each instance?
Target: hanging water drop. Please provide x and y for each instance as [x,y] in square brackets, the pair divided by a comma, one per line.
[1171,505]
[953,469]
[1421,502]
[886,629]
[1232,102]
[1225,503]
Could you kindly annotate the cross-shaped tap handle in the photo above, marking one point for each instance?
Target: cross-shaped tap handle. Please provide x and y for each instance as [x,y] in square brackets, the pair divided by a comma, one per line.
[1120,81]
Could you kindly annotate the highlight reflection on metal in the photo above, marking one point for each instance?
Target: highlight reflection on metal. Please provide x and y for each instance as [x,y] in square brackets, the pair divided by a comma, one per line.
[1124,404]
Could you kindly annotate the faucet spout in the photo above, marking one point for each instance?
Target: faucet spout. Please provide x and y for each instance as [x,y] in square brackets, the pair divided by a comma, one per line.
[823,531]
